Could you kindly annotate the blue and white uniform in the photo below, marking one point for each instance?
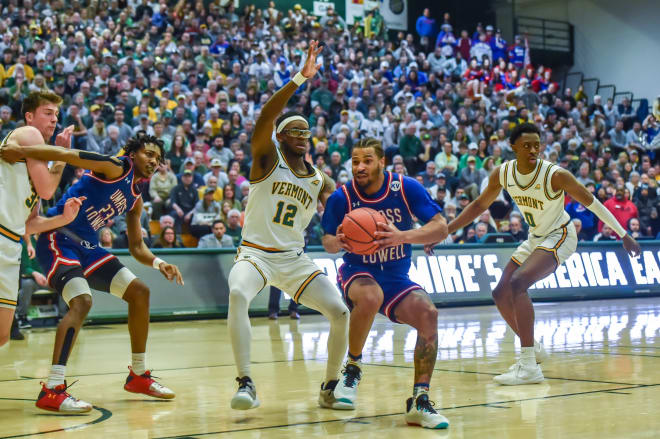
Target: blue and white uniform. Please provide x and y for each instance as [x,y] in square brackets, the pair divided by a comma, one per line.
[399,199]
[74,251]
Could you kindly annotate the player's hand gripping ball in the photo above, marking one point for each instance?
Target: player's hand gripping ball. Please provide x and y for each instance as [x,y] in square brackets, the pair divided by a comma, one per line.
[359,227]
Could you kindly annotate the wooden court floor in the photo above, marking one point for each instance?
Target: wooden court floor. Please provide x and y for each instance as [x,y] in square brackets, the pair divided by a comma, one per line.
[603,379]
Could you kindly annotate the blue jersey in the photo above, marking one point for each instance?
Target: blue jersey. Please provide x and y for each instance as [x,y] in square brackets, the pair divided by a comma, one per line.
[105,200]
[398,200]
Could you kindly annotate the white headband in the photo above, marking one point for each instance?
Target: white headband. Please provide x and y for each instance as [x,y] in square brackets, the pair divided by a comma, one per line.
[286,121]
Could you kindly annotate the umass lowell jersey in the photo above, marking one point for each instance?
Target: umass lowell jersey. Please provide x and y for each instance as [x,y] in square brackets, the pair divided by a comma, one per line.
[398,200]
[106,199]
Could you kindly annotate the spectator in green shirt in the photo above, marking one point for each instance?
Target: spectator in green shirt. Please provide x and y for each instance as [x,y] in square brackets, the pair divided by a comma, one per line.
[410,148]
[32,279]
[472,152]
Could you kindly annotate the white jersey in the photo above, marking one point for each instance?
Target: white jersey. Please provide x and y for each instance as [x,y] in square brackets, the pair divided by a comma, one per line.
[17,198]
[542,208]
[280,207]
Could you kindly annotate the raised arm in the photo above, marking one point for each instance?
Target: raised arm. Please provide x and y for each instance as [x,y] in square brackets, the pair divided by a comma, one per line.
[109,167]
[480,204]
[263,149]
[564,180]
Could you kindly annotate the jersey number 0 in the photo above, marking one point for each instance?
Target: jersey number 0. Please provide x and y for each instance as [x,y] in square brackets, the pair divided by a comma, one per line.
[287,218]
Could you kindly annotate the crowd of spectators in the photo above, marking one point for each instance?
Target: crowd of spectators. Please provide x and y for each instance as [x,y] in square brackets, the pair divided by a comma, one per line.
[196,74]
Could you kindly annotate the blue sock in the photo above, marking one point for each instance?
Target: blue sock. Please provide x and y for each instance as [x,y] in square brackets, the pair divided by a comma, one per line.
[355,359]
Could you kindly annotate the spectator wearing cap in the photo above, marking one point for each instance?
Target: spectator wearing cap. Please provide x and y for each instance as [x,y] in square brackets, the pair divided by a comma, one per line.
[189,164]
[472,151]
[183,199]
[217,238]
[160,186]
[143,125]
[471,177]
[205,212]
[343,120]
[446,40]
[282,72]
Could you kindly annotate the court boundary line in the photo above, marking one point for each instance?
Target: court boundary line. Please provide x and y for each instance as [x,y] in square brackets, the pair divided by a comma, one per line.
[105,415]
[485,404]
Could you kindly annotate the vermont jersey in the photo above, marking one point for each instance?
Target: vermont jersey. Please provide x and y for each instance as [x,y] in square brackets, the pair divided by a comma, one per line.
[542,208]
[280,206]
[17,200]
[398,200]
[105,200]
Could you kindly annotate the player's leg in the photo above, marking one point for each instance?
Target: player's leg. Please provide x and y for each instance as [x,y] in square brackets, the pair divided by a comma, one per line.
[70,282]
[322,296]
[10,254]
[245,282]
[365,297]
[417,310]
[536,267]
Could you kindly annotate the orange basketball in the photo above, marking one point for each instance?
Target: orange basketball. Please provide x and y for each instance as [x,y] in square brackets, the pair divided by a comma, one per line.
[360,227]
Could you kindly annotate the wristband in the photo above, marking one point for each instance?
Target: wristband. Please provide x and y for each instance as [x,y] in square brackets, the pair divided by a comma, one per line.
[298,79]
[156,263]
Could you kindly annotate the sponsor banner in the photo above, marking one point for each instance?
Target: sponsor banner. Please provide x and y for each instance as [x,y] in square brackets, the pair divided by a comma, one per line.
[454,275]
[320,7]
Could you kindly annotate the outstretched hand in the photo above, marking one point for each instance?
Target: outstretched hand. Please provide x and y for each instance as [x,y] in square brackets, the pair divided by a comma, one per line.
[171,272]
[311,68]
[631,246]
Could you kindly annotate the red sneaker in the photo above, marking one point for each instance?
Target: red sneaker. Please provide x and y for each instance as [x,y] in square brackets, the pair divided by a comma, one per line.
[146,385]
[58,400]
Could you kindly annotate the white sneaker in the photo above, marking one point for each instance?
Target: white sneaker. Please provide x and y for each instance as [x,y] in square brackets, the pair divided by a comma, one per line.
[520,374]
[540,353]
[422,413]
[328,400]
[246,395]
[346,389]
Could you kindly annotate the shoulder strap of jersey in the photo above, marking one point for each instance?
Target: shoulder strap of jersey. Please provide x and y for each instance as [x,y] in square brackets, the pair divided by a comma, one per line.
[6,137]
[547,181]
[403,193]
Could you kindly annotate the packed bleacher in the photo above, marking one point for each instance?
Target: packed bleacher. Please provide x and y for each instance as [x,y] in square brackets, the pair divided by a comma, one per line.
[196,74]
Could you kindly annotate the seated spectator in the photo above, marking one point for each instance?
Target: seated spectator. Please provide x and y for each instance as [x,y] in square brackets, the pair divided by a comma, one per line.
[106,237]
[160,187]
[234,228]
[216,239]
[168,239]
[516,229]
[634,229]
[606,234]
[205,212]
[183,199]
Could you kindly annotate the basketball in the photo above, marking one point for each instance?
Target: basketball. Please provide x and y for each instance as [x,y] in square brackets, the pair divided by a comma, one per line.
[360,227]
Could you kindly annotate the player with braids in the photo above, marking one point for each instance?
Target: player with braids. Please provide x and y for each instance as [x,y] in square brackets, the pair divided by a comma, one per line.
[74,260]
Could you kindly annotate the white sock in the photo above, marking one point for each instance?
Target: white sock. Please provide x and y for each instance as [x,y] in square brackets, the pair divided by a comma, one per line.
[320,295]
[527,356]
[245,282]
[139,363]
[56,376]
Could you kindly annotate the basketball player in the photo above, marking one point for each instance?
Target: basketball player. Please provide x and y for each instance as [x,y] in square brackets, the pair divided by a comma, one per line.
[380,282]
[284,193]
[537,187]
[21,186]
[74,260]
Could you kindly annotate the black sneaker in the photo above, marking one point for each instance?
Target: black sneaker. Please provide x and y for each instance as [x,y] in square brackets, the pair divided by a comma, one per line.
[246,395]
[23,323]
[15,334]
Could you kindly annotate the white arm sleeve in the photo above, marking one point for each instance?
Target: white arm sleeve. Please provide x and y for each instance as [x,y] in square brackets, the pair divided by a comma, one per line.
[606,217]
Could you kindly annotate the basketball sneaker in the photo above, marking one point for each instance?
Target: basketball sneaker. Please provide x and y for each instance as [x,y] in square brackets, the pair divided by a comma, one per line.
[422,413]
[58,400]
[520,373]
[346,389]
[539,352]
[146,385]
[327,397]
[246,395]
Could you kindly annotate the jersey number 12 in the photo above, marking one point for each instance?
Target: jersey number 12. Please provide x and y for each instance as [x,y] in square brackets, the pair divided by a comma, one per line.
[287,218]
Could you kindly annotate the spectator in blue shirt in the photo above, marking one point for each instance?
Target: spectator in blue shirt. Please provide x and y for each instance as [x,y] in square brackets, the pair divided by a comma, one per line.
[426,30]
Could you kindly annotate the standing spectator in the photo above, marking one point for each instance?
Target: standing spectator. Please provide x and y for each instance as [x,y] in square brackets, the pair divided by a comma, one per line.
[411,149]
[622,209]
[426,29]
